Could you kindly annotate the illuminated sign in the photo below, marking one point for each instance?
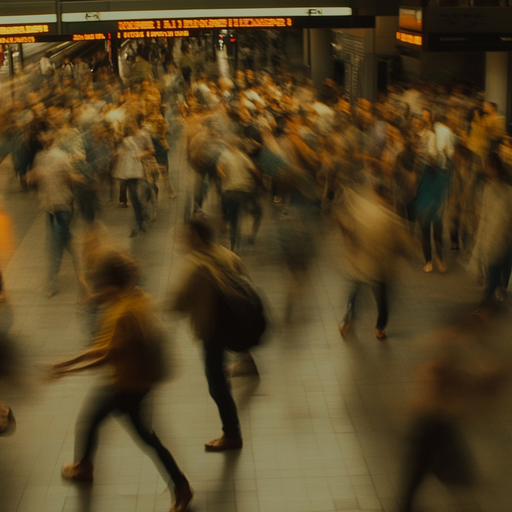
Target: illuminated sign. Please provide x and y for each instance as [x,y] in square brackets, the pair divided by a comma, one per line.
[204,23]
[17,40]
[89,37]
[136,34]
[409,38]
[48,38]
[9,30]
[410,18]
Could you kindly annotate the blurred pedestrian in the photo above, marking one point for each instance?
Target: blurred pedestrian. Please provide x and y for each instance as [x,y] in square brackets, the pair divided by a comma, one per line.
[199,296]
[129,344]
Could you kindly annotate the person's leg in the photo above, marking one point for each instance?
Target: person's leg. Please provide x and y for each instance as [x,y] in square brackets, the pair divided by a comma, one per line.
[505,272]
[425,239]
[349,313]
[419,462]
[201,187]
[254,207]
[99,404]
[437,224]
[131,404]
[59,239]
[455,226]
[123,199]
[380,292]
[219,389]
[493,282]
[133,192]
[231,208]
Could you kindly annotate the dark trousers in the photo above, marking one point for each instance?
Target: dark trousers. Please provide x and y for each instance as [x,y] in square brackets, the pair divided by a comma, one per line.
[106,400]
[380,292]
[498,276]
[88,203]
[59,239]
[132,186]
[232,201]
[436,446]
[219,388]
[436,225]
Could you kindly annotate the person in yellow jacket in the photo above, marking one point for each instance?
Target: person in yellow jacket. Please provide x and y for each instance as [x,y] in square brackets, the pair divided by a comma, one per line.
[127,342]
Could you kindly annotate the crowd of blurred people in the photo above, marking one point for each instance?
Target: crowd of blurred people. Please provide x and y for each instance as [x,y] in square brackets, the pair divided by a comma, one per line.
[424,156]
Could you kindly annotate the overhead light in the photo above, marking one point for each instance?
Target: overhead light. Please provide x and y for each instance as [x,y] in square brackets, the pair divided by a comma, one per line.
[71,17]
[28,19]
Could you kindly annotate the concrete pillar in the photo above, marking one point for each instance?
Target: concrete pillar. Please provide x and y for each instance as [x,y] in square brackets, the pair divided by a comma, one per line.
[496,79]
[320,55]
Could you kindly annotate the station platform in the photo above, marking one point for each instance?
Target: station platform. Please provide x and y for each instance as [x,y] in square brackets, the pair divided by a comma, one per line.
[324,426]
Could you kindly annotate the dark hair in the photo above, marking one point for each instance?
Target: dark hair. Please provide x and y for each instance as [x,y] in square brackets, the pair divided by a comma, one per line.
[116,269]
[202,228]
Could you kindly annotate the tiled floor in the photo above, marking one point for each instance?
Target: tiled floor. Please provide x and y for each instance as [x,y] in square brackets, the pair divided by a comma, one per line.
[323,428]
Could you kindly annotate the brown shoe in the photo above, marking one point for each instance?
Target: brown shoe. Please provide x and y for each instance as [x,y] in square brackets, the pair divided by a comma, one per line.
[77,472]
[182,497]
[380,334]
[224,443]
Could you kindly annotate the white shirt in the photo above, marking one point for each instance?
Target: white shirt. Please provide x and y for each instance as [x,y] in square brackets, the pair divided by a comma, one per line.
[129,163]
[47,67]
[53,169]
[445,142]
[237,168]
[427,147]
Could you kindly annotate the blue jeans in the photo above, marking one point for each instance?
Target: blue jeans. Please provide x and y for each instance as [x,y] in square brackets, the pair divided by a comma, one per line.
[219,388]
[59,239]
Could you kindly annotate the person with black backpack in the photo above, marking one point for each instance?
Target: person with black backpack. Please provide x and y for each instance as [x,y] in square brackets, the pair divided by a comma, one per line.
[226,313]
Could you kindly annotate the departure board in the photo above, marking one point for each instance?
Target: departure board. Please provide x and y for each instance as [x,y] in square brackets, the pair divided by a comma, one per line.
[203,24]
[21,30]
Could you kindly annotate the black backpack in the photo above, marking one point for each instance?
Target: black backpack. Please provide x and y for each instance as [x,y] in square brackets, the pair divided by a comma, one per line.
[241,319]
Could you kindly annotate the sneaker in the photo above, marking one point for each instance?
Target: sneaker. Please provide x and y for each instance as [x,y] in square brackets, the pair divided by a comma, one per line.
[441,266]
[182,497]
[380,334]
[224,443]
[77,472]
[428,267]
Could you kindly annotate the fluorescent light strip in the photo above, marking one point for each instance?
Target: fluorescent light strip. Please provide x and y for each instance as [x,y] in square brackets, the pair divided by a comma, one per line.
[70,17]
[28,19]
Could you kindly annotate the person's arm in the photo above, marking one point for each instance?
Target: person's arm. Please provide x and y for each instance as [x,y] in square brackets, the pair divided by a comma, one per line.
[95,356]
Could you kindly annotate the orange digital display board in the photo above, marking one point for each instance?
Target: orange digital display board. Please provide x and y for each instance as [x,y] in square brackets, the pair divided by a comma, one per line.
[89,37]
[141,34]
[17,40]
[203,23]
[409,38]
[8,30]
